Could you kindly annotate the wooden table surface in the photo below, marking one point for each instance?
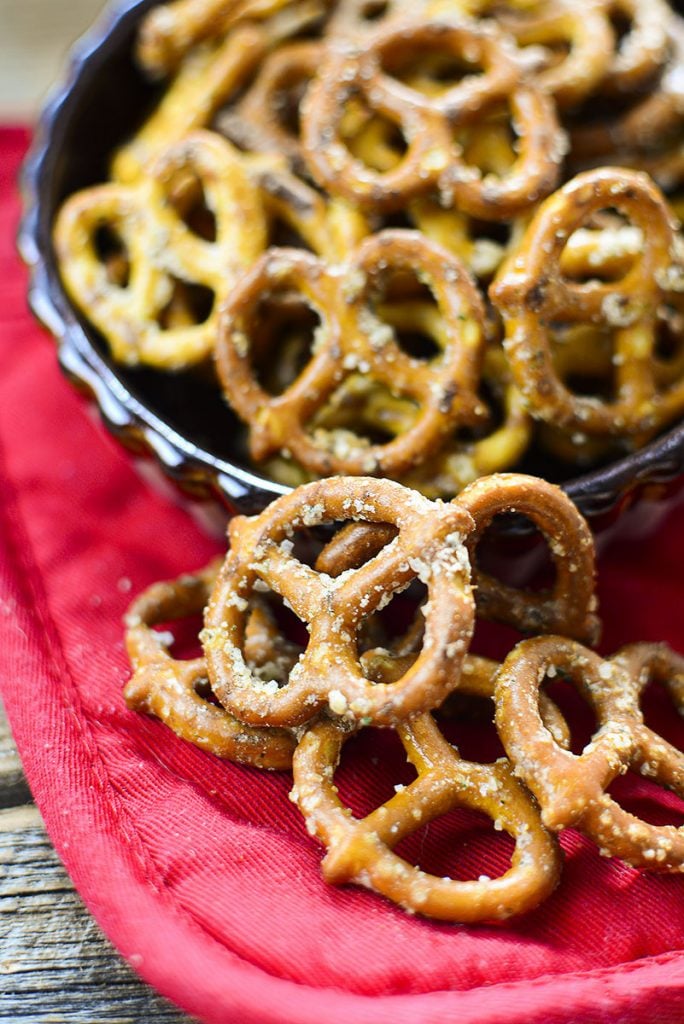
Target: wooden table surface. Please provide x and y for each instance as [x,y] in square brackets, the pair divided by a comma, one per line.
[56,967]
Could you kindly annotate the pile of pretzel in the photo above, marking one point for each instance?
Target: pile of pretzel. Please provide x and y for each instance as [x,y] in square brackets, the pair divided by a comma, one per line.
[349,207]
[297,656]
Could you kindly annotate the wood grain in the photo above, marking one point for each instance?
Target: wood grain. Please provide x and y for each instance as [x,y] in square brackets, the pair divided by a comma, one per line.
[56,967]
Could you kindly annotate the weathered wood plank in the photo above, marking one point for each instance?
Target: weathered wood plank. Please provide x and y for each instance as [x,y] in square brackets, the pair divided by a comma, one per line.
[56,967]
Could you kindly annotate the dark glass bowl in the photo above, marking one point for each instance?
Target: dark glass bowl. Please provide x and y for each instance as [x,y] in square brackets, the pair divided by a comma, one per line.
[180,419]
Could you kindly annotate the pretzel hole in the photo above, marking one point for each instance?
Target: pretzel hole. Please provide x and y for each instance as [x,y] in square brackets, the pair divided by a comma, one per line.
[661,713]
[285,331]
[462,845]
[286,98]
[578,713]
[181,636]
[669,343]
[467,722]
[204,691]
[189,305]
[514,551]
[373,10]
[274,636]
[188,198]
[373,763]
[583,359]
[647,800]
[402,299]
[361,413]
[396,626]
[111,251]
[427,66]
[491,145]
[376,141]
[604,250]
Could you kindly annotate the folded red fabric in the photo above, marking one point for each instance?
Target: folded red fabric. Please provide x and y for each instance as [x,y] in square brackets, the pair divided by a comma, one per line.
[202,873]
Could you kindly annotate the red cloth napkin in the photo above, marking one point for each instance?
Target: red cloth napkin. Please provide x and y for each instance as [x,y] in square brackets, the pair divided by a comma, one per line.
[202,873]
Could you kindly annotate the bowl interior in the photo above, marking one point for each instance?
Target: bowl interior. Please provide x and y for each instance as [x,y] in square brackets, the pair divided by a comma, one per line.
[102,102]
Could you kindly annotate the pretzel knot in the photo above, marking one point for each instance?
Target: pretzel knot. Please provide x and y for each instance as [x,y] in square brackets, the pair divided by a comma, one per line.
[371,77]
[176,690]
[361,850]
[146,309]
[571,788]
[535,298]
[428,545]
[352,339]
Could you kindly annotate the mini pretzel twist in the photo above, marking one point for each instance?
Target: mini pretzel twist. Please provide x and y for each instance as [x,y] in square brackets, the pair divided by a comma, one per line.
[570,605]
[428,545]
[160,248]
[532,295]
[171,689]
[428,122]
[362,850]
[571,788]
[616,831]
[352,338]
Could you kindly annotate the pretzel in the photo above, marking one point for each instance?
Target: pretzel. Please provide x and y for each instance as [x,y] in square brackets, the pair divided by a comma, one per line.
[266,118]
[644,49]
[361,850]
[160,249]
[569,606]
[570,788]
[531,294]
[172,689]
[428,545]
[427,122]
[351,338]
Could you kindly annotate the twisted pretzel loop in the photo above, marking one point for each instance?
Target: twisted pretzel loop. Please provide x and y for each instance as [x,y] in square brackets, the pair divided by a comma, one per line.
[428,545]
[168,688]
[361,850]
[351,338]
[570,788]
[532,295]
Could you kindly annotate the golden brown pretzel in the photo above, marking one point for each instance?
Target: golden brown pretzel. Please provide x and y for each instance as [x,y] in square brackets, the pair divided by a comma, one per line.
[570,605]
[171,689]
[427,121]
[570,788]
[428,545]
[160,249]
[617,832]
[361,850]
[266,118]
[585,31]
[531,293]
[351,338]
[565,784]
